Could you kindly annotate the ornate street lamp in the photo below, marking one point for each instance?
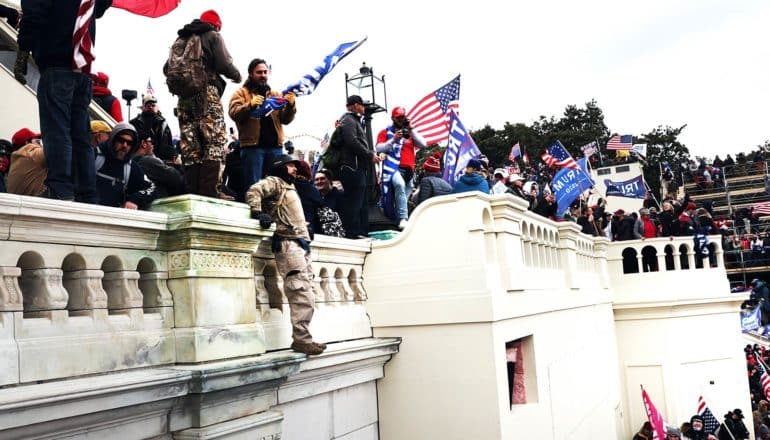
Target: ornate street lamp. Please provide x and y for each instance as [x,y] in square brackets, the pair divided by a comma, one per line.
[371,89]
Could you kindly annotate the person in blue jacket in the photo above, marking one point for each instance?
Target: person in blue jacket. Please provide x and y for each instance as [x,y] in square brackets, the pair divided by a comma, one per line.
[472,180]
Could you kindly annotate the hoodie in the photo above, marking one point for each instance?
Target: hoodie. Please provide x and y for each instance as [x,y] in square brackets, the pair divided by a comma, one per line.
[111,186]
[471,182]
[216,58]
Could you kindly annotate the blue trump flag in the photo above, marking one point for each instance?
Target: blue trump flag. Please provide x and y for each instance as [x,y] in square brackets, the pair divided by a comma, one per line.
[567,185]
[460,149]
[309,81]
[632,188]
[751,320]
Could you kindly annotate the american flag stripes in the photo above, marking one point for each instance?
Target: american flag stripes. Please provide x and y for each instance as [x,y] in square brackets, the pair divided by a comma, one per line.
[659,426]
[618,142]
[430,116]
[764,379]
[150,90]
[761,208]
[81,37]
[711,424]
[558,155]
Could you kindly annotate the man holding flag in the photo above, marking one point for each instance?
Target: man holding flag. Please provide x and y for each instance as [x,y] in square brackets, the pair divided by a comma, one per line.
[261,138]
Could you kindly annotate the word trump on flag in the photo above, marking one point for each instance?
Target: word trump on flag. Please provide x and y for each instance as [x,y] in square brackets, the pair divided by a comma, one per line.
[460,150]
[632,188]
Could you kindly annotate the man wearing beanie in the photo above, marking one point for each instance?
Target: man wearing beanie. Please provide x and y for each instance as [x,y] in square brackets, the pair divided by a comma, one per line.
[201,116]
[261,139]
[104,97]
[472,180]
[431,183]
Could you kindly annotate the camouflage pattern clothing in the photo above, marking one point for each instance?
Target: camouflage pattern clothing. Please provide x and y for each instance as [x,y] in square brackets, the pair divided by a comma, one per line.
[293,263]
[203,135]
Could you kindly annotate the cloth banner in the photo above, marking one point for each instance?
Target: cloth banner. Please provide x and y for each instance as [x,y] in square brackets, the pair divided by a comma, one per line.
[567,185]
[632,188]
[147,8]
[751,321]
[589,149]
[460,149]
[659,426]
[309,81]
[640,149]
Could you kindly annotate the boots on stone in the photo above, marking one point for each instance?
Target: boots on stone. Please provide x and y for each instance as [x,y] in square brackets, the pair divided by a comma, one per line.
[211,180]
[192,177]
[309,348]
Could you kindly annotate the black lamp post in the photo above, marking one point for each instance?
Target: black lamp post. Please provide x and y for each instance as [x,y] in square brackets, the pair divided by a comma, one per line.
[128,96]
[371,89]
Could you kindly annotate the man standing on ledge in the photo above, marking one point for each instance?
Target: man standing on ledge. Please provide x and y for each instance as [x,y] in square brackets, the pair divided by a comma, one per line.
[275,197]
[354,163]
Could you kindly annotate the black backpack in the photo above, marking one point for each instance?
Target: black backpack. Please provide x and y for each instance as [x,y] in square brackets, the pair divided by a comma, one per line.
[332,157]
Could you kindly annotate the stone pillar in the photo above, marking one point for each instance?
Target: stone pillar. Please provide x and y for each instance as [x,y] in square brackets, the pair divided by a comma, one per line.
[43,292]
[210,243]
[568,234]
[10,310]
[87,296]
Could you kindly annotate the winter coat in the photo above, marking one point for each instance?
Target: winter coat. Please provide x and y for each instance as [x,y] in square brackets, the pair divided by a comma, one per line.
[471,182]
[275,196]
[432,185]
[110,185]
[249,127]
[311,201]
[168,180]
[355,149]
[157,127]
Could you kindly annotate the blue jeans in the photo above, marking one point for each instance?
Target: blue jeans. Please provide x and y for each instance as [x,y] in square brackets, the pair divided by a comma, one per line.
[401,191]
[63,97]
[256,163]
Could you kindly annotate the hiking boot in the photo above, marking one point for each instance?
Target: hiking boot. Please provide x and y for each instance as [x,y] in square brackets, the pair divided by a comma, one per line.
[308,348]
[320,344]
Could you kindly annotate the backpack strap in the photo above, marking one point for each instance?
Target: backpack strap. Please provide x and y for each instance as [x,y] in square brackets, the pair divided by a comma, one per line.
[100,159]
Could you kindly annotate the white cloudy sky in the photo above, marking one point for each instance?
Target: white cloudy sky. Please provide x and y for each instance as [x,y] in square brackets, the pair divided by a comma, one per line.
[703,63]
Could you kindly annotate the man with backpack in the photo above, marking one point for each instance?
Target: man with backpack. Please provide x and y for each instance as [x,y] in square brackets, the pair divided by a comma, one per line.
[261,139]
[196,61]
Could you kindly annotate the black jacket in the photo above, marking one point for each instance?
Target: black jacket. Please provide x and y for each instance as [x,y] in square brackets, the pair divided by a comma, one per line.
[432,185]
[168,180]
[355,149]
[47,27]
[110,177]
[156,126]
[311,201]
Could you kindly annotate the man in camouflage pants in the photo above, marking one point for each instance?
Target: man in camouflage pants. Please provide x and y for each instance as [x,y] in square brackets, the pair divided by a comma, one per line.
[201,117]
[275,197]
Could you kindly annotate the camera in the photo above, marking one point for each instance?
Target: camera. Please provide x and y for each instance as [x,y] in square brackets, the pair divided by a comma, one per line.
[405,133]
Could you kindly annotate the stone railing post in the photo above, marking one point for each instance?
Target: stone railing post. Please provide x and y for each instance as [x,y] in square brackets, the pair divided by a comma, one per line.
[568,234]
[211,278]
[87,296]
[43,292]
[10,309]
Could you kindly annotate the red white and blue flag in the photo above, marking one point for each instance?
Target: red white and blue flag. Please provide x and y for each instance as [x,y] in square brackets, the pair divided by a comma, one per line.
[150,90]
[764,379]
[710,423]
[659,426]
[618,142]
[460,150]
[430,116]
[515,152]
[558,155]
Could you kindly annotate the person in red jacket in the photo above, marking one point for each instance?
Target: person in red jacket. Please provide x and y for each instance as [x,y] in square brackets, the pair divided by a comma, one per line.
[104,97]
[399,141]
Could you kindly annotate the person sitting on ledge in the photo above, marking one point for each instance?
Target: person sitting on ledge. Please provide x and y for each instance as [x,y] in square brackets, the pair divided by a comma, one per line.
[119,181]
[28,169]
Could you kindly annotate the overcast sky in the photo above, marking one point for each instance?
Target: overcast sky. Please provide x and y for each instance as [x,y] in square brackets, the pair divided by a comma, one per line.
[703,63]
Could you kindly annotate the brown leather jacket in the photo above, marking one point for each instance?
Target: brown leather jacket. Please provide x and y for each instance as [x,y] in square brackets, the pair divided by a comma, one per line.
[248,127]
[279,199]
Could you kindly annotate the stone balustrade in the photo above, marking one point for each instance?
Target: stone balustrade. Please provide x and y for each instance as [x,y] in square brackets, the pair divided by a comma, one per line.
[88,289]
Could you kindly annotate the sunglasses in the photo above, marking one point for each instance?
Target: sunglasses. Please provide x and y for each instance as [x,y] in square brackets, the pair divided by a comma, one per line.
[122,140]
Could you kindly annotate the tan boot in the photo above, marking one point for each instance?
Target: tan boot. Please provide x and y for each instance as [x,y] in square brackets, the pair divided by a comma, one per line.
[308,348]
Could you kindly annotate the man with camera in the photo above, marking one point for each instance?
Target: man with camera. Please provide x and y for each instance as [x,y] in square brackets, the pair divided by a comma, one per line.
[399,141]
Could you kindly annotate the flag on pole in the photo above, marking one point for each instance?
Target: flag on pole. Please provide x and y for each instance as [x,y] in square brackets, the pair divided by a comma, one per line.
[640,149]
[515,152]
[618,142]
[308,83]
[150,90]
[460,149]
[147,8]
[764,379]
[761,208]
[659,426]
[558,155]
[430,116]
[710,423]
[589,149]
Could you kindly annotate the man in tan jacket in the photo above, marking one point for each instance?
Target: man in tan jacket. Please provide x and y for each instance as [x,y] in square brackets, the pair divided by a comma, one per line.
[261,138]
[275,198]
[28,169]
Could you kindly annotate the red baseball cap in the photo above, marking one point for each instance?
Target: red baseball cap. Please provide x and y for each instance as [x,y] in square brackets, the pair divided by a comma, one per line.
[23,136]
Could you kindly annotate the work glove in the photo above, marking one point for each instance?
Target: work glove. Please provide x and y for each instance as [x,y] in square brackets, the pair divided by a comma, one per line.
[257,100]
[290,97]
[264,219]
[20,68]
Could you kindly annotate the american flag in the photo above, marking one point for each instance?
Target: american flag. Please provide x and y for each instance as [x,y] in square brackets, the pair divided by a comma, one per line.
[711,424]
[589,149]
[325,142]
[430,116]
[618,142]
[558,155]
[150,90]
[764,379]
[761,208]
[515,152]
[659,426]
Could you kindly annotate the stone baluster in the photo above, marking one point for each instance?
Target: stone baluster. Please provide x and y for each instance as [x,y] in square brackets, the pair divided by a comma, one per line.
[156,296]
[10,293]
[341,282]
[123,294]
[43,293]
[356,283]
[87,296]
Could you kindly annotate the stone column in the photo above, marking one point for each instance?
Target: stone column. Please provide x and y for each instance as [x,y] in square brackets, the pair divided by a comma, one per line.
[211,277]
[86,293]
[10,311]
